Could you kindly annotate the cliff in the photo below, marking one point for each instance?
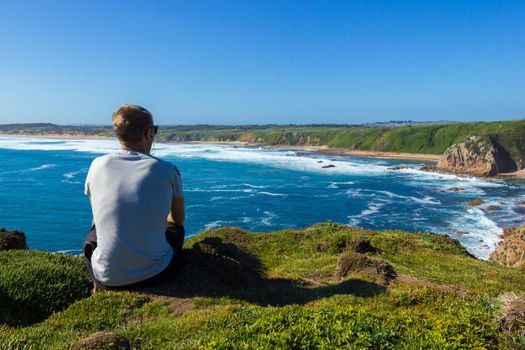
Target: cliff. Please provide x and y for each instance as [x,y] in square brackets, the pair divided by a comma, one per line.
[326,286]
[478,156]
[511,249]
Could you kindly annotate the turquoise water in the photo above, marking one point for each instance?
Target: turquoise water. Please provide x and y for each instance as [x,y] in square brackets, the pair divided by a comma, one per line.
[259,189]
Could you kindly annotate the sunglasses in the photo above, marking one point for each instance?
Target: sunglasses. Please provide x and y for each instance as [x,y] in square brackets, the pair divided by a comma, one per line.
[155,128]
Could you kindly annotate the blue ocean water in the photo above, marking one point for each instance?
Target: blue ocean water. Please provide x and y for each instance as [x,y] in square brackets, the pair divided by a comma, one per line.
[259,189]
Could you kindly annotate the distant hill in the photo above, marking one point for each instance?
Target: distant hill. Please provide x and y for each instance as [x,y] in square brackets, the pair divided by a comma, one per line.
[427,138]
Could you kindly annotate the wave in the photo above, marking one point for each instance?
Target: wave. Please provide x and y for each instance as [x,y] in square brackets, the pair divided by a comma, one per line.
[481,233]
[335,184]
[280,158]
[214,224]
[273,194]
[44,166]
[69,177]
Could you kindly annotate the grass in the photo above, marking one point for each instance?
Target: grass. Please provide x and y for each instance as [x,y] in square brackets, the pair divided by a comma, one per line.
[443,298]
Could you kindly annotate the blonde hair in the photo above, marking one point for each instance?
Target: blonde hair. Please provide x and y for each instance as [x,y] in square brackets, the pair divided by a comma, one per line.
[130,122]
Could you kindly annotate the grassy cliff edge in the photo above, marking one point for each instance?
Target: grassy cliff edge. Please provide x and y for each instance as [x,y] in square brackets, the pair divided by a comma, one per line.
[279,290]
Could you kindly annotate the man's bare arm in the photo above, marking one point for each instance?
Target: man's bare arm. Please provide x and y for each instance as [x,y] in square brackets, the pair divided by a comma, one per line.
[177,214]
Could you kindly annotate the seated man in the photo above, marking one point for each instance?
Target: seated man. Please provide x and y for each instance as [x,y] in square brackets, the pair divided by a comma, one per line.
[138,209]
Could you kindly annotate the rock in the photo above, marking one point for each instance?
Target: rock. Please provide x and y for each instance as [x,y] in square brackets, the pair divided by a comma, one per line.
[399,167]
[455,189]
[475,202]
[511,248]
[478,156]
[103,340]
[460,233]
[361,245]
[12,240]
[521,203]
[494,207]
[359,264]
[328,166]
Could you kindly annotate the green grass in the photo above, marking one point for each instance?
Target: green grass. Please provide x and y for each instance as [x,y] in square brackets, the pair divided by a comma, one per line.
[443,299]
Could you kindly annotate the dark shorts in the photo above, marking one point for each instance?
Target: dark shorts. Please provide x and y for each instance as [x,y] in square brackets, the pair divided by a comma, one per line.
[174,236]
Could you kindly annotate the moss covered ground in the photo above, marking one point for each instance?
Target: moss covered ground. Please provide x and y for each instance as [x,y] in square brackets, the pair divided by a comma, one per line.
[273,291]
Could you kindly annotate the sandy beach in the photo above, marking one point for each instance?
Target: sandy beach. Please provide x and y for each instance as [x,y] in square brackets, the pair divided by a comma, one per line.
[520,174]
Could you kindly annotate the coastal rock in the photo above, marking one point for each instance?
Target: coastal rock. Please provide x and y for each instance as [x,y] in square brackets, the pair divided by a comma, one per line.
[475,202]
[455,189]
[494,207]
[12,240]
[328,166]
[359,264]
[511,249]
[460,233]
[399,167]
[103,340]
[478,156]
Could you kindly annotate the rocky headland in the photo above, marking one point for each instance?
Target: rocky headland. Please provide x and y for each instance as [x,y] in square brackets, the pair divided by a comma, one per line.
[478,156]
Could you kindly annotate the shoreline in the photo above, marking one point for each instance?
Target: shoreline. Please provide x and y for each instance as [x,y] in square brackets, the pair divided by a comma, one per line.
[320,149]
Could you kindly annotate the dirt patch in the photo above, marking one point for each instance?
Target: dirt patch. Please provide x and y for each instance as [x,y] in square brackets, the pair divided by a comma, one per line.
[103,340]
[414,281]
[178,306]
[359,264]
[12,240]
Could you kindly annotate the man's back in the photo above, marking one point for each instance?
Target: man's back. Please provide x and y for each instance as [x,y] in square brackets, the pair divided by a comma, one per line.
[131,195]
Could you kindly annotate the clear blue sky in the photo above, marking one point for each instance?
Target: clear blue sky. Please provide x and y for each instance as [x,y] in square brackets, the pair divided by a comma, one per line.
[282,61]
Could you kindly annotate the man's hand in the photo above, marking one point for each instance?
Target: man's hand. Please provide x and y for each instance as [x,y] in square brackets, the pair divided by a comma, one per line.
[177,214]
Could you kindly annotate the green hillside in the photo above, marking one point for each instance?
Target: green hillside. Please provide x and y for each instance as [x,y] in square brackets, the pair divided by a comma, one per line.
[427,138]
[324,287]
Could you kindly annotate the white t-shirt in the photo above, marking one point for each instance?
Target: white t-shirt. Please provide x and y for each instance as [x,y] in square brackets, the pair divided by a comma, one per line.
[131,195]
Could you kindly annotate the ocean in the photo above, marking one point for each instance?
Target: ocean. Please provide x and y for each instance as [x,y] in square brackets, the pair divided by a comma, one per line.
[258,189]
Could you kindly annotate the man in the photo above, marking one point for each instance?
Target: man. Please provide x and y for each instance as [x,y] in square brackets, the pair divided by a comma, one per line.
[138,209]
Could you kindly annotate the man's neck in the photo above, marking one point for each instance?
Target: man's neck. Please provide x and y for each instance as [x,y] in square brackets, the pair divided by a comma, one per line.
[133,148]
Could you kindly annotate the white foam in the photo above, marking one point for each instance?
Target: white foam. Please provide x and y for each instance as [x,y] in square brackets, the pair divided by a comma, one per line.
[375,194]
[44,166]
[69,177]
[254,186]
[267,221]
[482,233]
[214,224]
[335,184]
[273,194]
[280,158]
